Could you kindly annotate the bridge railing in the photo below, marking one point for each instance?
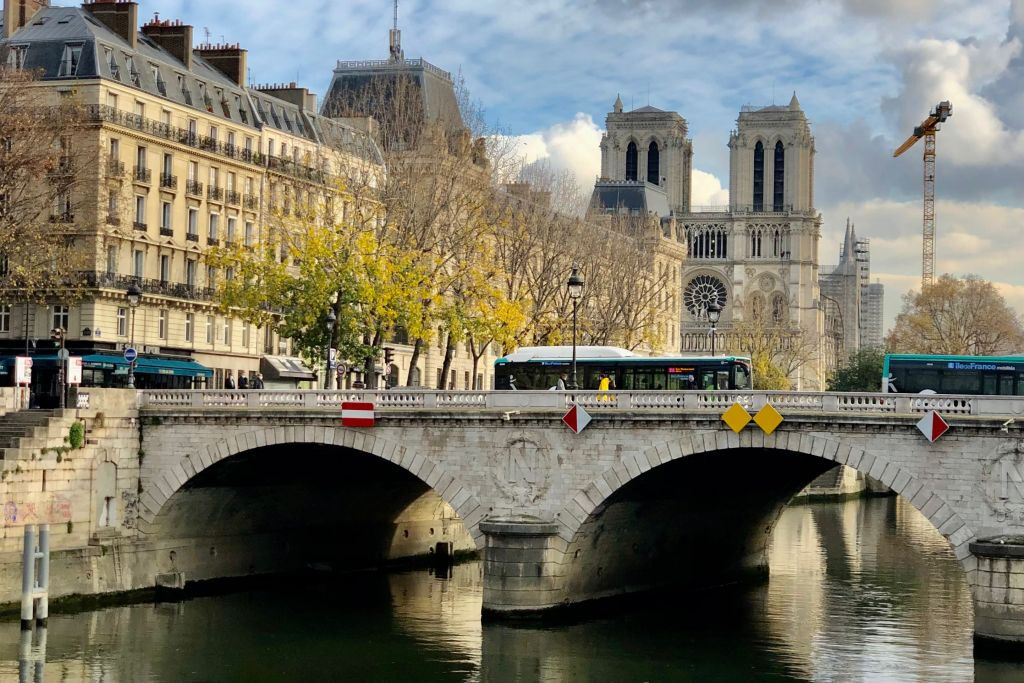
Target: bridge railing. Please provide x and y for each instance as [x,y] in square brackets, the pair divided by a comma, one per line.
[664,401]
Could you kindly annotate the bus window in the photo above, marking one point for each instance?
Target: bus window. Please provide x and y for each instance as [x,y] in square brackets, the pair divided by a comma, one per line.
[1006,385]
[707,378]
[742,377]
[921,380]
[722,380]
[960,382]
[988,385]
[683,381]
[1020,384]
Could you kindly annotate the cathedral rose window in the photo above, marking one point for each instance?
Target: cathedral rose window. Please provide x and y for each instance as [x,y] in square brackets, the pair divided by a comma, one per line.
[700,292]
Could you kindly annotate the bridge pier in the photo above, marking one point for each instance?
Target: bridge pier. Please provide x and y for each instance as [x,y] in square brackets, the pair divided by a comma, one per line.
[523,572]
[999,591]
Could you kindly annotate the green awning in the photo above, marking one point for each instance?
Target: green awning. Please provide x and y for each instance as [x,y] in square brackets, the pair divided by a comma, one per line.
[98,361]
[177,368]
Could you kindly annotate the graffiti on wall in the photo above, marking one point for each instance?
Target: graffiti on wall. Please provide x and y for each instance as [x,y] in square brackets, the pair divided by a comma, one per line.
[55,510]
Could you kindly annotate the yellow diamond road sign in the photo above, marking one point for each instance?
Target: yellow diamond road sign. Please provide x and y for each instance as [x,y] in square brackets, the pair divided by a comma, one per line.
[768,419]
[736,417]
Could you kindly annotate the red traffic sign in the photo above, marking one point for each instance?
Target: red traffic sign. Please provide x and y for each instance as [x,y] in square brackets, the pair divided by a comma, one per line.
[356,414]
[576,419]
[933,426]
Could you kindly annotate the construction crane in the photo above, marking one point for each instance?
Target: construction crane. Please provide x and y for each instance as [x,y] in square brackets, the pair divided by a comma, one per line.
[943,110]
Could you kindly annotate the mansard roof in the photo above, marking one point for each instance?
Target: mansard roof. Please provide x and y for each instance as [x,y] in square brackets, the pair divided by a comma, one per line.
[634,197]
[150,68]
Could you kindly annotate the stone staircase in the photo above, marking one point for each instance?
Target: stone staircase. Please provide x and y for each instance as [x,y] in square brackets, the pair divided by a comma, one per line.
[25,432]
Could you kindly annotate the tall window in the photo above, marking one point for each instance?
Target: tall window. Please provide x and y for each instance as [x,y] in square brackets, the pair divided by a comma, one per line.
[214,222]
[190,322]
[227,331]
[631,161]
[122,322]
[190,272]
[161,325]
[165,268]
[140,158]
[5,318]
[209,329]
[69,62]
[245,335]
[193,221]
[112,260]
[61,317]
[779,179]
[138,263]
[248,233]
[165,215]
[653,164]
[168,165]
[232,221]
[759,177]
[193,170]
[140,210]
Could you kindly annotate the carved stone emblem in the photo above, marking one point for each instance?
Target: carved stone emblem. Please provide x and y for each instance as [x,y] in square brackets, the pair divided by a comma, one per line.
[522,470]
[1003,479]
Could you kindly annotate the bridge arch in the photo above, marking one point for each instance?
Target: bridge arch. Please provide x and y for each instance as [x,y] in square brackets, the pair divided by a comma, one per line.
[164,483]
[592,499]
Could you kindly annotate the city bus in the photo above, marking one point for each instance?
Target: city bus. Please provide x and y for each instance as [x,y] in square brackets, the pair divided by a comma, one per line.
[539,367]
[984,375]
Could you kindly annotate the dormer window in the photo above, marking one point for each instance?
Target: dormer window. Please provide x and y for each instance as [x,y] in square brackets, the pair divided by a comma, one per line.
[158,79]
[132,71]
[70,60]
[16,56]
[108,57]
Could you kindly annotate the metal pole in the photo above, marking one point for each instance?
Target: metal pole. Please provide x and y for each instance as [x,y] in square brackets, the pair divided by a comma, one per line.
[26,327]
[61,371]
[43,577]
[131,365]
[28,578]
[575,304]
[714,331]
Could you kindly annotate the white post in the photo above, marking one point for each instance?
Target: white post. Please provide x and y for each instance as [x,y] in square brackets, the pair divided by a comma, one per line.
[43,577]
[28,578]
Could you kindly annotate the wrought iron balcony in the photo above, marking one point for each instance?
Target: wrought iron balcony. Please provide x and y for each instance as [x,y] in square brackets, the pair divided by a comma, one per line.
[213,241]
[194,187]
[250,201]
[215,193]
[161,287]
[64,217]
[167,232]
[140,226]
[143,175]
[115,168]
[168,182]
[233,197]
[113,220]
[192,236]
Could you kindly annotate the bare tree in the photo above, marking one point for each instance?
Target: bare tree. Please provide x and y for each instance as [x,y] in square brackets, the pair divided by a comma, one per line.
[48,172]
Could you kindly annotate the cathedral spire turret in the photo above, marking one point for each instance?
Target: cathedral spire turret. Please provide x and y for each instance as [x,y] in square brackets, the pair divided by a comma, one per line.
[794,103]
[617,107]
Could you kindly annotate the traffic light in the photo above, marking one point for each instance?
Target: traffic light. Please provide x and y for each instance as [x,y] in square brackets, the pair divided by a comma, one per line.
[389,355]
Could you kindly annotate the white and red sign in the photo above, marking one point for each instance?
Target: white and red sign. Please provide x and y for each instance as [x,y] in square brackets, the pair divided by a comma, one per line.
[576,419]
[356,414]
[933,426]
[23,370]
[75,370]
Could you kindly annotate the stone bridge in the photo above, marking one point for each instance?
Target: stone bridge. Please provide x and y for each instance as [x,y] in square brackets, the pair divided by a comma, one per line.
[656,492]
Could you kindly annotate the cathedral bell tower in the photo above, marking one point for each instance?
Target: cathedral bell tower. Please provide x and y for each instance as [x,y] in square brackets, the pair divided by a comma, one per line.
[648,144]
[772,160]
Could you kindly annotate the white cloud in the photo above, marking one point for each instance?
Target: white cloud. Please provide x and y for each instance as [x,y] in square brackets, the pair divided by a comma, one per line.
[572,145]
[706,189]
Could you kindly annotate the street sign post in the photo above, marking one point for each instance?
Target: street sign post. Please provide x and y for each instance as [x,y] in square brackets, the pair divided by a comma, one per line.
[74,370]
[130,354]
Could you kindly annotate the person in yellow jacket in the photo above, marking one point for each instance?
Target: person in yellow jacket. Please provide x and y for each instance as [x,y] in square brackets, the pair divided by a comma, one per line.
[604,386]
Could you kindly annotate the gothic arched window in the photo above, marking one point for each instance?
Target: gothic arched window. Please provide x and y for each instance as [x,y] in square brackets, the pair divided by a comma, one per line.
[631,162]
[653,164]
[758,176]
[780,177]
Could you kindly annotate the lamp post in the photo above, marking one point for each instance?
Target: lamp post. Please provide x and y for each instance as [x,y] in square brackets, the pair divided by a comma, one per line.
[714,311]
[134,294]
[575,287]
[59,334]
[331,319]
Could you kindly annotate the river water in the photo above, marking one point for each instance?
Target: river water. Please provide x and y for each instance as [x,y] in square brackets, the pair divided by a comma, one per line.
[861,590]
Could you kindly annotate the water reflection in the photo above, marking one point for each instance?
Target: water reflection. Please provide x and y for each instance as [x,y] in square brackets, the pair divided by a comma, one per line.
[864,590]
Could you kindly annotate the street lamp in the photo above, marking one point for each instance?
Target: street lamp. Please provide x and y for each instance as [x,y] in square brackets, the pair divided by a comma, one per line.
[59,334]
[575,287]
[331,319]
[714,311]
[134,294]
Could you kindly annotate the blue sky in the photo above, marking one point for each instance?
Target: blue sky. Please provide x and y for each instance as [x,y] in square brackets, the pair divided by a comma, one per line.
[865,71]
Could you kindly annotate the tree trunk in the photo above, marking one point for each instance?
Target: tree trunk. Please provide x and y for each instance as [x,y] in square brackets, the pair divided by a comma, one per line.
[416,348]
[446,367]
[371,358]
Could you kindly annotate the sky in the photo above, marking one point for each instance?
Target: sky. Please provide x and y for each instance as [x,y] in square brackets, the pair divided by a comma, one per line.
[865,71]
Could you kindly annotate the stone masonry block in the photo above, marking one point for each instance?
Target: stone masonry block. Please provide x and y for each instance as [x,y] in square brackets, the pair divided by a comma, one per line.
[818,446]
[831,449]
[856,454]
[601,484]
[261,438]
[866,463]
[900,481]
[653,458]
[745,439]
[842,453]
[674,451]
[878,468]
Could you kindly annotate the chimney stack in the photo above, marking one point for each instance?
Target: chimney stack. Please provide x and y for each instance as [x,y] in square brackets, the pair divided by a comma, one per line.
[17,14]
[292,93]
[230,60]
[173,36]
[120,16]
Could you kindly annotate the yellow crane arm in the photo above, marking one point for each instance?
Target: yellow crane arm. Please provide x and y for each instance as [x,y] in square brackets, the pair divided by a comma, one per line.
[929,125]
[906,145]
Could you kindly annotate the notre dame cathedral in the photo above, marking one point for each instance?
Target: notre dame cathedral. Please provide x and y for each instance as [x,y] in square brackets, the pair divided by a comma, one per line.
[758,256]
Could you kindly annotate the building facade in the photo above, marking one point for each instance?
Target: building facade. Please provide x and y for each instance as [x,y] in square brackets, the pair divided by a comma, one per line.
[190,158]
[757,258]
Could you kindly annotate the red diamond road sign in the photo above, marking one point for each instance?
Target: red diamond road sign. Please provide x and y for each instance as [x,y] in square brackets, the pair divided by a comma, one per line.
[933,426]
[576,419]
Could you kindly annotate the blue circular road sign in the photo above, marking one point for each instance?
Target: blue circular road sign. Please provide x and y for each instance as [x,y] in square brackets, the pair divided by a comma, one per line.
[130,354]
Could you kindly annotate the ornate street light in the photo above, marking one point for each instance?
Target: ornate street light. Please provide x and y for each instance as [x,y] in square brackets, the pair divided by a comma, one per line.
[575,287]
[329,323]
[134,295]
[714,311]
